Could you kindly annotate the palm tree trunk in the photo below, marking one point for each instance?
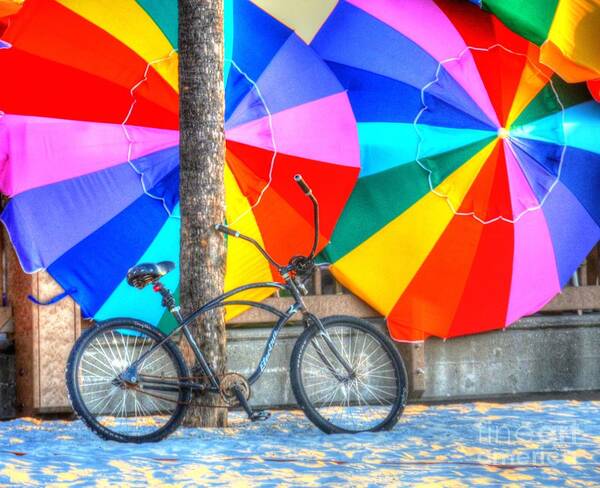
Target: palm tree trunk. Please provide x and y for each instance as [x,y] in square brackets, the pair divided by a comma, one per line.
[201,189]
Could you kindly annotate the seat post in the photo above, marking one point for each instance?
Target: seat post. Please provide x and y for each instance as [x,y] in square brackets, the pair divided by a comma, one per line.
[168,300]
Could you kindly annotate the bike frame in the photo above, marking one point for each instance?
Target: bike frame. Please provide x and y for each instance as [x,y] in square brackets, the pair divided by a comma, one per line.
[291,284]
[185,324]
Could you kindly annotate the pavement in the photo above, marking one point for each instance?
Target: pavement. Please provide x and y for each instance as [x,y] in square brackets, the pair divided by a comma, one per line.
[547,443]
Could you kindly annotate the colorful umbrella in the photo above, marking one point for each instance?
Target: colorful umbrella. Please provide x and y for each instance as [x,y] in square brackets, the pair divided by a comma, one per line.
[9,7]
[478,193]
[89,139]
[567,31]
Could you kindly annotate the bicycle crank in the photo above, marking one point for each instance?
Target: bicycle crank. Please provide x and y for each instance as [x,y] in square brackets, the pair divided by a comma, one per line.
[234,387]
[235,390]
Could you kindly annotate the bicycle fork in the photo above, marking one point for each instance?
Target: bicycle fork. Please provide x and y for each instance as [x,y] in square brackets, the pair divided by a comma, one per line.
[327,339]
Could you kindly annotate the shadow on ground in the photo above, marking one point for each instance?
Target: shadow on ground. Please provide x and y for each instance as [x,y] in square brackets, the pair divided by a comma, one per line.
[550,443]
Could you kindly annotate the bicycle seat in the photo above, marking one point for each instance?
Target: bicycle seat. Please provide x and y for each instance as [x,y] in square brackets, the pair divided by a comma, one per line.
[144,273]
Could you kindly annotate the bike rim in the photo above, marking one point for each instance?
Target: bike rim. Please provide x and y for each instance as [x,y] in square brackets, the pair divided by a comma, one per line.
[132,410]
[360,400]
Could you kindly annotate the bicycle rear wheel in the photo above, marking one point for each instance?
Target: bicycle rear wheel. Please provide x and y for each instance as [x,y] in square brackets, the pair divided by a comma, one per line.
[120,403]
[349,378]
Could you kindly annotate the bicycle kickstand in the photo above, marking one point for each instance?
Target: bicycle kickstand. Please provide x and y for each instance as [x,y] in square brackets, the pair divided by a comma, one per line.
[253,415]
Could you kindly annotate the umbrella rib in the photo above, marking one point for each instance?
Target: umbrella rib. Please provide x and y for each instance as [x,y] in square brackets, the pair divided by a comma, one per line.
[425,107]
[273,141]
[130,140]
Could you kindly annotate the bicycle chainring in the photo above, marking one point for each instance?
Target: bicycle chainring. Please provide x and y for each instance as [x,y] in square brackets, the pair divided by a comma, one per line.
[228,382]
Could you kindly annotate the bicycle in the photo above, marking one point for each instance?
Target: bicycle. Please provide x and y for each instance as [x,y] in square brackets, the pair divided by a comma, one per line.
[128,381]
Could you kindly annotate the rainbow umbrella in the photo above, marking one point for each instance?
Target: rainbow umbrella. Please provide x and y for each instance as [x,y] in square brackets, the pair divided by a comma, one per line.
[10,7]
[478,193]
[89,144]
[7,8]
[567,31]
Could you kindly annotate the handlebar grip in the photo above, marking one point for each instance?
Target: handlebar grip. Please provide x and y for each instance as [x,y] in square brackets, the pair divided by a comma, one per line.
[226,230]
[302,184]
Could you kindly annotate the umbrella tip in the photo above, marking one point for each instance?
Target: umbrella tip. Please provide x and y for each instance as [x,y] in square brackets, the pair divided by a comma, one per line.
[503,133]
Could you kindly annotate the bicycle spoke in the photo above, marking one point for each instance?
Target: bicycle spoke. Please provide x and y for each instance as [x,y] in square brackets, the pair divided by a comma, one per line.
[123,407]
[357,400]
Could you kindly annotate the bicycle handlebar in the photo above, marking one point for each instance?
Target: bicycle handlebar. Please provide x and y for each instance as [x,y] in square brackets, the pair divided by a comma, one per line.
[226,230]
[308,192]
[302,184]
[234,233]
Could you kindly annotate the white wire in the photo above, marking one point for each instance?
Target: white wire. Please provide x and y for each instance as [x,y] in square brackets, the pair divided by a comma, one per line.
[273,141]
[430,172]
[131,141]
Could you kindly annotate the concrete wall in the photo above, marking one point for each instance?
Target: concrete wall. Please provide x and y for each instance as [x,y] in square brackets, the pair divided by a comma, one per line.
[546,354]
[537,355]
[244,349]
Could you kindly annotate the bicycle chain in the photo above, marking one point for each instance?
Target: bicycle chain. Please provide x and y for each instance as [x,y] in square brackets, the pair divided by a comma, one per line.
[140,390]
[200,378]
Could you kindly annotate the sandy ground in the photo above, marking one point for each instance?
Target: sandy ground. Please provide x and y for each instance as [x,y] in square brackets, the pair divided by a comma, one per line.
[549,443]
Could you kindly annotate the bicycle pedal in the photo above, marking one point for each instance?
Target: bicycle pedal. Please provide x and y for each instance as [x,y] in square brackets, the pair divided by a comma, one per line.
[259,415]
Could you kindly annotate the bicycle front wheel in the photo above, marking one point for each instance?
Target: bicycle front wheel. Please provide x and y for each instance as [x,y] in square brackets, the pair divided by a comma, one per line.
[348,378]
[125,381]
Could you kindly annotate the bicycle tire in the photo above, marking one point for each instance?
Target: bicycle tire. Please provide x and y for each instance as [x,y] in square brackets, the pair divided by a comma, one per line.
[298,360]
[132,327]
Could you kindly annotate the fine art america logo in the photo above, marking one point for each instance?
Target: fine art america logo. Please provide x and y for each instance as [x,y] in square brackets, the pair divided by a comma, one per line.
[523,444]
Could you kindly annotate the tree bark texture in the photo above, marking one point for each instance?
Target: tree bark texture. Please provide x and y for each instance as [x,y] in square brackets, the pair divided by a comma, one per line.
[201,187]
